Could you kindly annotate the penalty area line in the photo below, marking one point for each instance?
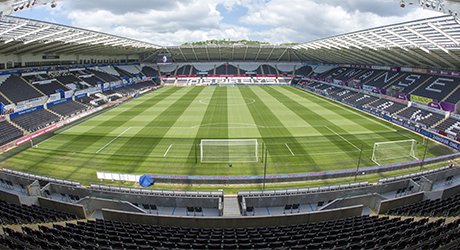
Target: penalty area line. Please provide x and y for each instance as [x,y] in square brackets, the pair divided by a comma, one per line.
[167,151]
[110,142]
[343,138]
[287,146]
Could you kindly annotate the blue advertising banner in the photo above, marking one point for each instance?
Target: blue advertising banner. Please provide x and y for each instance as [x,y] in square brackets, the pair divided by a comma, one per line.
[26,111]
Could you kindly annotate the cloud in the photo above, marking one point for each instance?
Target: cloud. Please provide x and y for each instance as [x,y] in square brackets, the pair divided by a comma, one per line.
[172,22]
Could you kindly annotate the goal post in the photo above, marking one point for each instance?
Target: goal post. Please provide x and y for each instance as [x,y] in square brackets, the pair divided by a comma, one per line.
[229,150]
[394,150]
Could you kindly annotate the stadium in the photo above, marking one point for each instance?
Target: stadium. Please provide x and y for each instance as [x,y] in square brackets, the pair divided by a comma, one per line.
[346,141]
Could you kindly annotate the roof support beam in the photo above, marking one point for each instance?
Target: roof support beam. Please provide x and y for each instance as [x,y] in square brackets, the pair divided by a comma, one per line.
[407,40]
[183,55]
[45,36]
[207,53]
[271,53]
[427,39]
[282,54]
[258,53]
[432,25]
[27,34]
[13,28]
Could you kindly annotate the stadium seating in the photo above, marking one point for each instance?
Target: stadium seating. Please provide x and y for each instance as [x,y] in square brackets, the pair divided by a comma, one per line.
[433,208]
[409,82]
[450,126]
[85,100]
[437,88]
[384,79]
[361,99]
[132,69]
[22,214]
[386,106]
[184,70]
[17,90]
[68,79]
[51,88]
[36,78]
[36,120]
[304,71]
[454,97]
[344,94]
[351,233]
[4,100]
[92,80]
[106,77]
[226,69]
[420,116]
[9,133]
[68,108]
[123,73]
[150,72]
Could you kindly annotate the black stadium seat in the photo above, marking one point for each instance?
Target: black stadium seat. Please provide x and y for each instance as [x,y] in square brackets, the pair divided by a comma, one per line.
[349,233]
[9,133]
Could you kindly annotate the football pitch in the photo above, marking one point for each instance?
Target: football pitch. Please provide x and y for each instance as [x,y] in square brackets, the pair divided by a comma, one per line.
[160,133]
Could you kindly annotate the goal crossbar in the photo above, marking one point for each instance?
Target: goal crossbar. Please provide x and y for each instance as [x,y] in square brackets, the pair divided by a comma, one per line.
[229,150]
[392,150]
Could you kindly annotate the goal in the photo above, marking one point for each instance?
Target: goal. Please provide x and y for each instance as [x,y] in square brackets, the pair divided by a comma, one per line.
[394,150]
[229,150]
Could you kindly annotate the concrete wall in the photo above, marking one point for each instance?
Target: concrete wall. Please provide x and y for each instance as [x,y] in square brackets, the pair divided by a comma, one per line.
[281,200]
[58,188]
[386,205]
[92,204]
[232,222]
[449,192]
[75,209]
[369,200]
[165,201]
[10,198]
[19,180]
[442,175]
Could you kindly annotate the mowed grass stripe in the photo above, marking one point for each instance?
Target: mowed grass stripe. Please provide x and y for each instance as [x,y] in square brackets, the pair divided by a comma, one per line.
[314,119]
[365,120]
[143,143]
[262,115]
[215,121]
[358,139]
[65,151]
[214,124]
[83,141]
[240,121]
[119,116]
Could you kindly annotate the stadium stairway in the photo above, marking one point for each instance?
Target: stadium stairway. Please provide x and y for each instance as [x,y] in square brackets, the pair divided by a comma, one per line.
[232,207]
[54,113]
[451,93]
[441,121]
[402,110]
[421,84]
[6,97]
[25,132]
[394,81]
[32,86]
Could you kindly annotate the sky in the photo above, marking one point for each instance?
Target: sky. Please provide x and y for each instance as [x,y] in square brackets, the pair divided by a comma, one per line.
[173,22]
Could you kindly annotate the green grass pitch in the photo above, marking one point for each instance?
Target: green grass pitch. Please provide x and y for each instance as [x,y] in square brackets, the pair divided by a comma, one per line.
[157,133]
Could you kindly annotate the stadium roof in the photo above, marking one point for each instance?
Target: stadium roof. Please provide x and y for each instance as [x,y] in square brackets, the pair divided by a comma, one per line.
[433,43]
[228,53]
[20,35]
[427,43]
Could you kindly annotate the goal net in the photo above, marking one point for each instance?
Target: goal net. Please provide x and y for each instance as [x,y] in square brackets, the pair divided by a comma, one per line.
[385,152]
[229,151]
